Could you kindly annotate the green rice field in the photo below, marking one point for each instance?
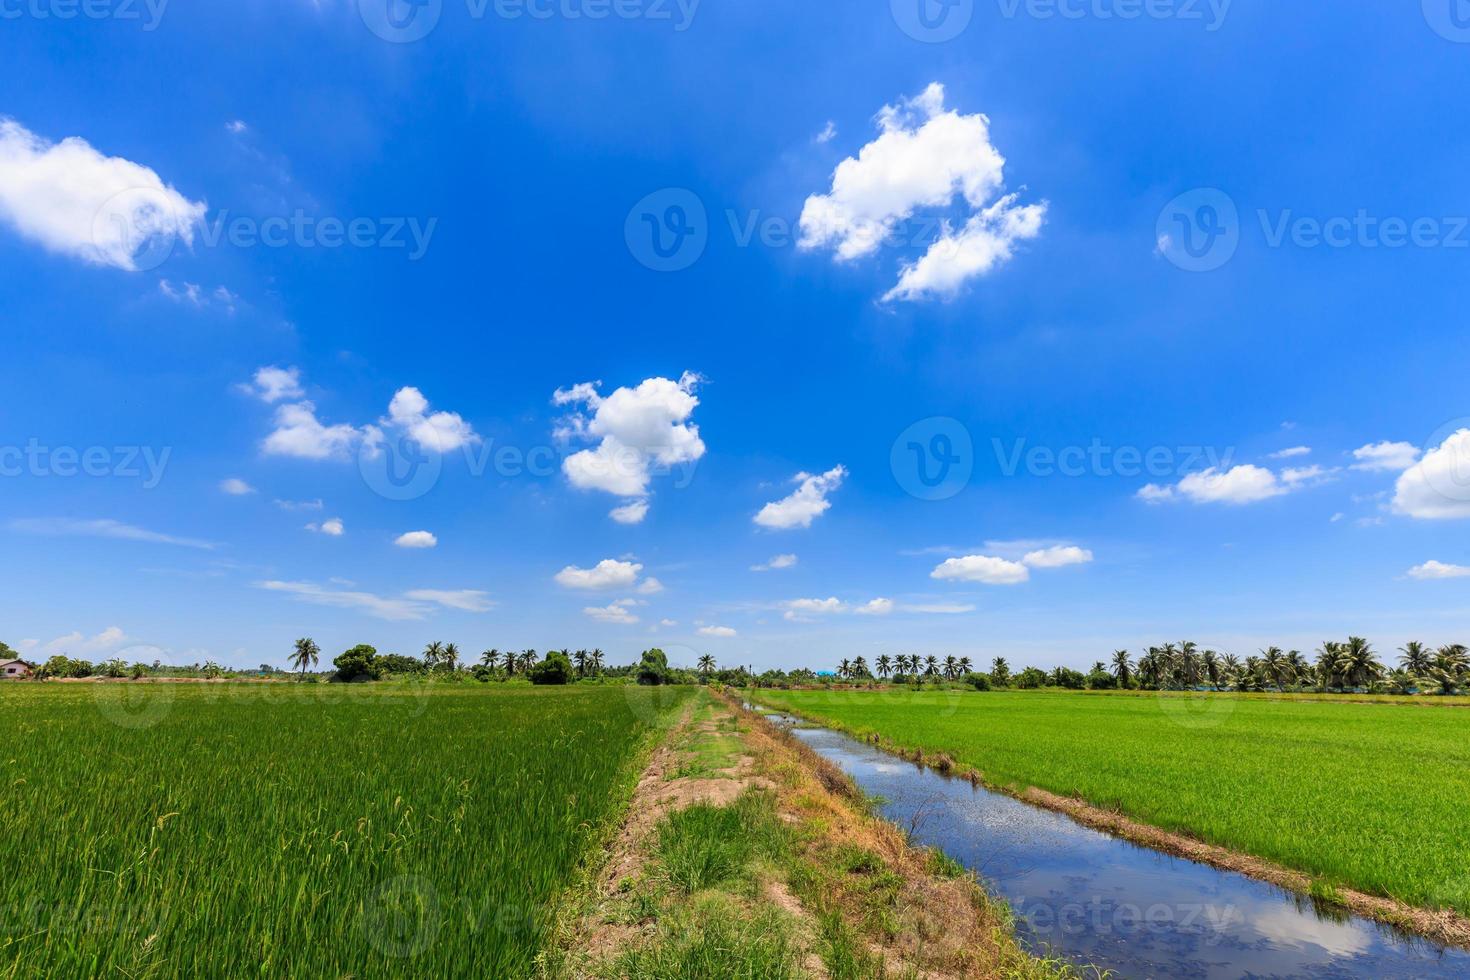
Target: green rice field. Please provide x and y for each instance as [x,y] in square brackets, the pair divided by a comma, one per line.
[1372,797]
[302,830]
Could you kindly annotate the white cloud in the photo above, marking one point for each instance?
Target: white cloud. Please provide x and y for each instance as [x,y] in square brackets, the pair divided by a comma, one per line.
[331,527]
[1437,487]
[632,512]
[1290,453]
[606,574]
[300,434]
[986,569]
[925,157]
[940,608]
[1437,570]
[828,133]
[875,607]
[1243,484]
[274,384]
[723,632]
[1385,456]
[104,528]
[236,126]
[466,600]
[650,586]
[617,612]
[236,487]
[293,505]
[805,504]
[798,610]
[1296,477]
[382,607]
[637,430]
[777,562]
[72,200]
[75,643]
[1057,556]
[416,539]
[441,432]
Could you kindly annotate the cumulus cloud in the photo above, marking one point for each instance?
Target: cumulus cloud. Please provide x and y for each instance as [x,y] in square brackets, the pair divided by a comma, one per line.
[72,200]
[416,539]
[776,562]
[805,504]
[807,610]
[102,528]
[1244,484]
[1057,556]
[801,609]
[875,607]
[441,432]
[273,384]
[413,605]
[1290,453]
[638,432]
[236,487]
[1437,487]
[925,157]
[650,586]
[1385,457]
[301,434]
[721,632]
[77,643]
[609,573]
[1438,570]
[986,569]
[617,612]
[332,527]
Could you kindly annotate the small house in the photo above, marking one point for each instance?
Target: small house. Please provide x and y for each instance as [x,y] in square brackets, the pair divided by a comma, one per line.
[14,670]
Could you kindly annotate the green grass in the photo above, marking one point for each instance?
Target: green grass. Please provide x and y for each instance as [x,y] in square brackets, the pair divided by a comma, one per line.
[1372,797]
[716,940]
[703,846]
[301,830]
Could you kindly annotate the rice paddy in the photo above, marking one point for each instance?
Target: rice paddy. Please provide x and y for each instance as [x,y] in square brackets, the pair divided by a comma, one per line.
[303,830]
[1367,796]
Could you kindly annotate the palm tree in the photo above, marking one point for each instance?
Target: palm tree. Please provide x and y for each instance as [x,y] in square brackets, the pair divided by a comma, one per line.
[1210,661]
[884,665]
[580,659]
[965,665]
[1300,669]
[706,665]
[1122,669]
[596,659]
[1230,669]
[844,668]
[860,668]
[1450,667]
[433,654]
[1358,662]
[451,658]
[1415,658]
[1187,661]
[1273,664]
[528,660]
[490,658]
[1000,671]
[951,667]
[307,654]
[931,665]
[1328,673]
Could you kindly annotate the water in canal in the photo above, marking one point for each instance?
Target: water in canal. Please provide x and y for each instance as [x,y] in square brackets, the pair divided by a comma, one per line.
[1102,901]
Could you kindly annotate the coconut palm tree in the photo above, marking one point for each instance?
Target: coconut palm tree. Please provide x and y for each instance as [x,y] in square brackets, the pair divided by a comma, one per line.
[528,660]
[1210,663]
[1358,663]
[433,654]
[1000,671]
[706,665]
[451,658]
[951,667]
[1274,667]
[844,669]
[860,668]
[1328,672]
[1122,668]
[1415,658]
[931,665]
[965,665]
[490,658]
[884,663]
[596,656]
[307,654]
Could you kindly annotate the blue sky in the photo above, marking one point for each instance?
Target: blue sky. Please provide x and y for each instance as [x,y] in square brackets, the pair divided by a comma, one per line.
[1202,236]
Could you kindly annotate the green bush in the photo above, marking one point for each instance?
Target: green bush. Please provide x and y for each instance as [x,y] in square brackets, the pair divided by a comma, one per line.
[555,669]
[980,682]
[653,669]
[358,664]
